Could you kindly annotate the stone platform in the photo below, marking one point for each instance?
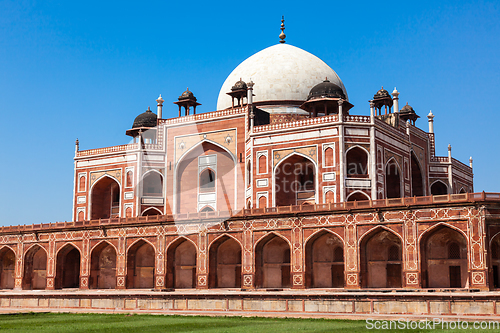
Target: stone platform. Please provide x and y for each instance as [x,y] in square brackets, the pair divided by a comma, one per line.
[386,304]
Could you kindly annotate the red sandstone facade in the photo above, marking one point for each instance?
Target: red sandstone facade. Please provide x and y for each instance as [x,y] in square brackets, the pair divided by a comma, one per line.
[248,198]
[449,241]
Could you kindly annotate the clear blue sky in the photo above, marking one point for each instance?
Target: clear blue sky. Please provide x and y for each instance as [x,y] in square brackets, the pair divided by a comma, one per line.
[71,69]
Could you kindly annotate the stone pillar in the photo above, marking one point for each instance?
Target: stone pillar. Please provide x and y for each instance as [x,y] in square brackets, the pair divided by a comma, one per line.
[159,274]
[121,263]
[51,264]
[477,249]
[411,276]
[247,264]
[351,268]
[19,264]
[202,262]
[85,261]
[297,263]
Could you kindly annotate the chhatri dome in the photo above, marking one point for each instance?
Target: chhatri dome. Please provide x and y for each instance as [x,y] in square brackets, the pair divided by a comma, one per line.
[281,73]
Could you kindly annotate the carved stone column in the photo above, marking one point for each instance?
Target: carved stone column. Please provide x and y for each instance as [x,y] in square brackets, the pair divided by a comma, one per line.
[477,252]
[51,265]
[18,285]
[351,267]
[160,259]
[410,251]
[85,261]
[297,264]
[247,266]
[121,263]
[202,262]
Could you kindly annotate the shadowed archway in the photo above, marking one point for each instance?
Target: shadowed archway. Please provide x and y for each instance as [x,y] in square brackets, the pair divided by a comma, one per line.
[68,267]
[35,268]
[140,265]
[324,261]
[181,264]
[225,263]
[103,267]
[7,268]
[272,262]
[381,259]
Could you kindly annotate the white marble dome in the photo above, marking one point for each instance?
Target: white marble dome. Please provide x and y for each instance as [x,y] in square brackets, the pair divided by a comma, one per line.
[280,72]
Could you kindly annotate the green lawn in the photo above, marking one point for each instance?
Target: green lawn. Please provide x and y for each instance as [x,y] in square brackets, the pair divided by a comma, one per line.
[54,323]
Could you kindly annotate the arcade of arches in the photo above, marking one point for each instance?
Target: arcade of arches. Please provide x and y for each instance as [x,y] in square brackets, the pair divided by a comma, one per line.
[372,249]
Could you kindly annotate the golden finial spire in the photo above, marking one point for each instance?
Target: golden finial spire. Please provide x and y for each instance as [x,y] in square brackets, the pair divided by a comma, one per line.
[282,34]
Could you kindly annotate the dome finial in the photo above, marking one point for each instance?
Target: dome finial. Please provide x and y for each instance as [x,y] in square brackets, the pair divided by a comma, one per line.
[282,34]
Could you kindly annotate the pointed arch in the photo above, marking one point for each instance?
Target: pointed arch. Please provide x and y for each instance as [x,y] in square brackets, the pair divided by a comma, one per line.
[444,253]
[357,160]
[105,198]
[7,267]
[35,268]
[324,260]
[357,196]
[152,183]
[68,259]
[440,225]
[207,180]
[187,187]
[374,229]
[417,178]
[141,255]
[225,257]
[272,262]
[304,182]
[393,179]
[182,255]
[103,266]
[140,240]
[201,143]
[438,187]
[462,190]
[151,211]
[381,253]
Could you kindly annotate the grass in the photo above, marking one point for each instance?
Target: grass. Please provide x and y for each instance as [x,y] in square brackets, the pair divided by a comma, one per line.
[67,322]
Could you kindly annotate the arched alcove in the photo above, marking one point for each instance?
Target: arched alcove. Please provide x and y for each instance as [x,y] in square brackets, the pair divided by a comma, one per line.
[103,267]
[417,181]
[392,180]
[140,265]
[295,181]
[381,259]
[35,268]
[105,199]
[357,163]
[225,263]
[324,261]
[272,262]
[68,267]
[439,188]
[444,258]
[181,264]
[205,176]
[152,184]
[7,268]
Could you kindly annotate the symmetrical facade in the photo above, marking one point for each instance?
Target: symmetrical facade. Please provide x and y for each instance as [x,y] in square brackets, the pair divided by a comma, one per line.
[284,186]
